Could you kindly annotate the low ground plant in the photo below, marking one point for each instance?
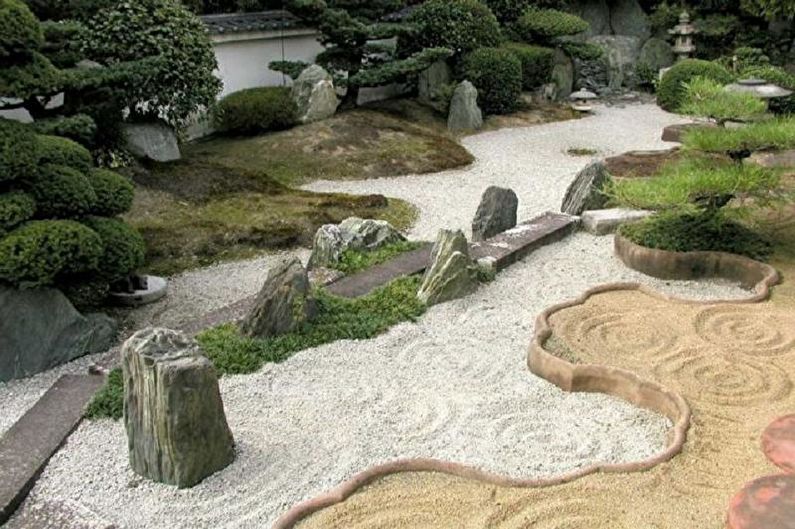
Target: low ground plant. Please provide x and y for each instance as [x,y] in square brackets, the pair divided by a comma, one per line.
[776,133]
[353,261]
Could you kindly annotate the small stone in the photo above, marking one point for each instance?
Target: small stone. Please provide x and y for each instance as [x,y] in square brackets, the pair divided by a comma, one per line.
[176,428]
[283,304]
[314,94]
[585,192]
[451,273]
[464,111]
[496,213]
[154,141]
[604,221]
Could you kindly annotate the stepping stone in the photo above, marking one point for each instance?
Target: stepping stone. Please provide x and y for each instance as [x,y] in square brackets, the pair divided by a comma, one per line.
[778,443]
[675,133]
[33,439]
[765,503]
[604,221]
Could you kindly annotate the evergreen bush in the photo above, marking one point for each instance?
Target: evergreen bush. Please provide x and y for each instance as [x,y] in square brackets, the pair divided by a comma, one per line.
[123,248]
[62,192]
[497,74]
[56,150]
[671,91]
[256,110]
[15,208]
[18,151]
[537,63]
[114,192]
[458,25]
[546,25]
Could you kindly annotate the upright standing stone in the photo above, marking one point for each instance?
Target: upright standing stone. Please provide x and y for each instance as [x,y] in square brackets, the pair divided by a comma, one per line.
[431,82]
[283,304]
[176,428]
[585,192]
[562,75]
[327,247]
[464,111]
[314,95]
[451,273]
[496,213]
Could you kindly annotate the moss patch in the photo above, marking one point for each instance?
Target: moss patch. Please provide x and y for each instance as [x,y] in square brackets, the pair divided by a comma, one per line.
[353,261]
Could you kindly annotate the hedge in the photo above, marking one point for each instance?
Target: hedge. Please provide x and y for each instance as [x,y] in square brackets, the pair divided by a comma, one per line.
[15,208]
[458,25]
[114,192]
[256,110]
[18,151]
[123,247]
[62,192]
[537,63]
[56,150]
[497,74]
[671,92]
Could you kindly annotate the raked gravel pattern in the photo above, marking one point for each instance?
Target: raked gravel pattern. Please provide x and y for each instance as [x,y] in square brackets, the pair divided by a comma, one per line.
[452,386]
[530,160]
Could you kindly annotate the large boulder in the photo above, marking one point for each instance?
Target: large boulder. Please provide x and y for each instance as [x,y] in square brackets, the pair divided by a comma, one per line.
[627,18]
[562,75]
[451,273]
[176,428]
[431,83]
[496,213]
[621,54]
[465,114]
[368,234]
[585,192]
[314,95]
[657,54]
[283,304]
[154,141]
[596,13]
[41,329]
[327,247]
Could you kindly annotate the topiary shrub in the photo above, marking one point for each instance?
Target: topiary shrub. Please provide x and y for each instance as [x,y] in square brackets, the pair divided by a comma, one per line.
[545,25]
[123,247]
[15,207]
[62,192]
[507,11]
[497,74]
[18,151]
[114,192]
[671,92]
[537,63]
[55,150]
[256,110]
[19,29]
[458,25]
[38,252]
[80,128]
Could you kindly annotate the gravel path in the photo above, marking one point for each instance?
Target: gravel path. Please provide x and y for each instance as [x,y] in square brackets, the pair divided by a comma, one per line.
[531,160]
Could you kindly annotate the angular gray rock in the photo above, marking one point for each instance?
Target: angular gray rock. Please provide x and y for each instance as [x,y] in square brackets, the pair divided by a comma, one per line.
[431,82]
[604,221]
[496,213]
[596,13]
[176,428]
[327,247]
[465,114]
[314,95]
[451,273]
[585,192]
[562,75]
[368,234]
[41,329]
[154,141]
[283,304]
[627,18]
[621,54]
[657,54]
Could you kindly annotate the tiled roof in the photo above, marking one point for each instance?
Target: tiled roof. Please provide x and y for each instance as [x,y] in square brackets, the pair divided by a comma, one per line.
[246,22]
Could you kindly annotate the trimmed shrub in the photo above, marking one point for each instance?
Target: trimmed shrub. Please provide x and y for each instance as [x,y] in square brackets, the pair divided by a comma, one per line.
[38,252]
[55,150]
[114,192]
[256,110]
[458,25]
[80,128]
[19,29]
[544,25]
[62,192]
[15,207]
[123,247]
[507,11]
[537,63]
[497,74]
[18,152]
[672,92]
[780,77]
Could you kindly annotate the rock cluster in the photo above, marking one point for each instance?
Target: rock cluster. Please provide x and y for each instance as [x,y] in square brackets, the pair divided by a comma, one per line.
[176,428]
[331,240]
[451,273]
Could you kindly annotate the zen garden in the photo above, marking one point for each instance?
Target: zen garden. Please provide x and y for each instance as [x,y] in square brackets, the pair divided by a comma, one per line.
[397,264]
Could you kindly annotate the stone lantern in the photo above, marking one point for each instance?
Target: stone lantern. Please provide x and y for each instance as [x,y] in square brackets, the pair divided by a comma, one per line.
[683,32]
[760,88]
[581,100]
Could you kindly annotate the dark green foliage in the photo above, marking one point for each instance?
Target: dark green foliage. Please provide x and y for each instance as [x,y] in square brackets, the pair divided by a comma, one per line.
[671,92]
[256,110]
[394,70]
[18,154]
[337,319]
[123,247]
[34,76]
[291,69]
[15,208]
[459,25]
[507,11]
[688,232]
[537,63]
[585,51]
[353,261]
[770,134]
[55,150]
[62,192]
[179,80]
[546,25]
[108,403]
[114,192]
[19,30]
[38,252]
[497,74]
[80,128]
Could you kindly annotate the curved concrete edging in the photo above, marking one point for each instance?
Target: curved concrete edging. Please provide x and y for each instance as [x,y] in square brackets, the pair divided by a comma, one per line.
[664,264]
[573,378]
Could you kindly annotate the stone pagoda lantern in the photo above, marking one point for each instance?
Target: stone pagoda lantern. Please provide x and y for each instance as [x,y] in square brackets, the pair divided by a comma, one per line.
[581,100]
[684,31]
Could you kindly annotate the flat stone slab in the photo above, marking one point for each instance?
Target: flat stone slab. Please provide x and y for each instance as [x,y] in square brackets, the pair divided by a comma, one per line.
[366,281]
[604,221]
[675,133]
[778,443]
[784,158]
[33,439]
[512,245]
[765,503]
